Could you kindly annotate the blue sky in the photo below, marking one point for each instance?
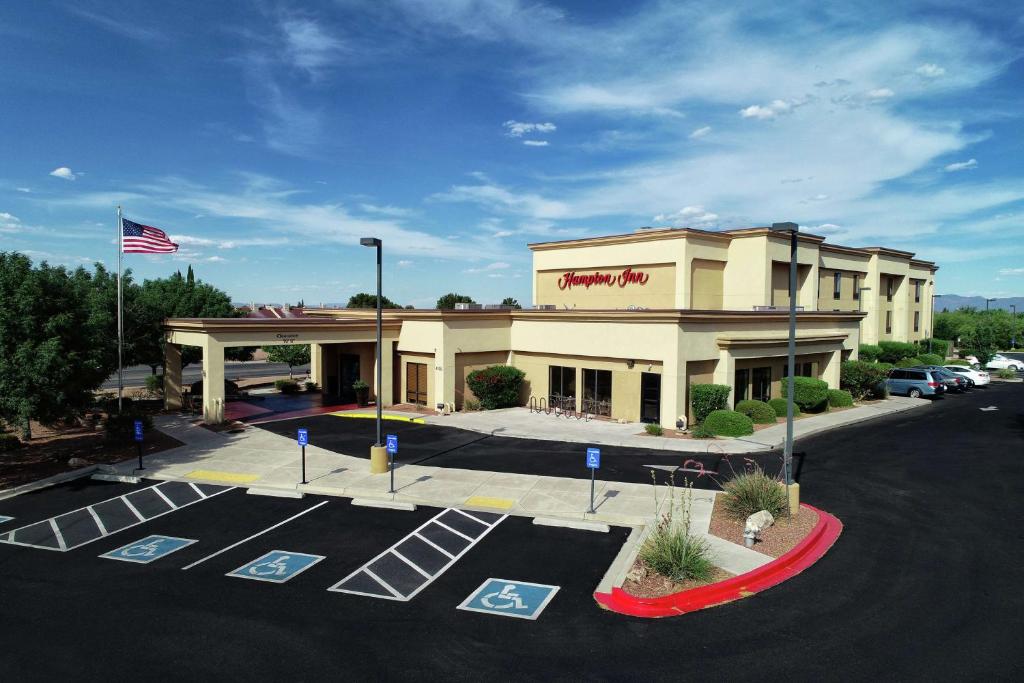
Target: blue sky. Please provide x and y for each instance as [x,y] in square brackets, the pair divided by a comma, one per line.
[267,137]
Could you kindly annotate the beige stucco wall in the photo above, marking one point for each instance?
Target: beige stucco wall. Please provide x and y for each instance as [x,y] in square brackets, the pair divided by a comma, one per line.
[707,280]
[658,291]
[466,363]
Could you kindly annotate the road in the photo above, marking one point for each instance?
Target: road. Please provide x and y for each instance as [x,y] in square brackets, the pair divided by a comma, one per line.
[922,584]
[135,376]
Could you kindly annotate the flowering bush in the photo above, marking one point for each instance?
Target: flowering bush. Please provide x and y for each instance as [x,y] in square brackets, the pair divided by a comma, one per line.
[496,386]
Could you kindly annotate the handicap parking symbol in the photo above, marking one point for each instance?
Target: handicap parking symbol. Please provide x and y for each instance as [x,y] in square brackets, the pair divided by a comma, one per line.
[520,599]
[391,443]
[145,550]
[277,566]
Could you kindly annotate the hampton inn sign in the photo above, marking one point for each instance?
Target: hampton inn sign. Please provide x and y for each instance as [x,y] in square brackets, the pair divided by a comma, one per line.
[651,313]
[626,277]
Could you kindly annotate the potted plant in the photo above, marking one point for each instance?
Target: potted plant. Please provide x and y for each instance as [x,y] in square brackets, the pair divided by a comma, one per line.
[362,390]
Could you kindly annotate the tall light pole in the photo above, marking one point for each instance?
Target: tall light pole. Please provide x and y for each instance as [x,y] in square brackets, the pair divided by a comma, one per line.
[1013,326]
[987,301]
[787,456]
[934,297]
[378,455]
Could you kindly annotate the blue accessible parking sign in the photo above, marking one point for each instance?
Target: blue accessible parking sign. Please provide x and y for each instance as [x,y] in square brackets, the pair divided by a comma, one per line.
[138,430]
[391,443]
[593,458]
[303,437]
[145,550]
[277,566]
[519,599]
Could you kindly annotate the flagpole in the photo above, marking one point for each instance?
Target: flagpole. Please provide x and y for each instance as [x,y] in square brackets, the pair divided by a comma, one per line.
[120,325]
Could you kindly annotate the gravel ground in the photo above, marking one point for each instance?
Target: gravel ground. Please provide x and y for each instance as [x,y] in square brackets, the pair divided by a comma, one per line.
[779,539]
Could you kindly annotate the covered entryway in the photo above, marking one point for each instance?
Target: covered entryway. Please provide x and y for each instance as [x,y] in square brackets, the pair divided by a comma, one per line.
[416,383]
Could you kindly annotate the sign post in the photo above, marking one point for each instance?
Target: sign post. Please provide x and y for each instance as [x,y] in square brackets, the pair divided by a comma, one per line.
[303,440]
[392,448]
[593,463]
[138,440]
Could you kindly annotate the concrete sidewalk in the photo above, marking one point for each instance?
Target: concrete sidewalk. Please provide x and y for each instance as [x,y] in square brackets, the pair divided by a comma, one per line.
[258,459]
[520,422]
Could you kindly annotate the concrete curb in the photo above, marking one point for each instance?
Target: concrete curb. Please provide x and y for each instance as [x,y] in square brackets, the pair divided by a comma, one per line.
[121,478]
[274,492]
[806,553]
[572,524]
[48,481]
[386,504]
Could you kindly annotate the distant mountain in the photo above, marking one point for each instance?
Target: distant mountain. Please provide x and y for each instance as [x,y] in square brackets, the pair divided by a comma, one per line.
[951,302]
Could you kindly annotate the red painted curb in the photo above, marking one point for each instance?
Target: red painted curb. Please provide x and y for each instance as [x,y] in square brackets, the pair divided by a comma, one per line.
[806,553]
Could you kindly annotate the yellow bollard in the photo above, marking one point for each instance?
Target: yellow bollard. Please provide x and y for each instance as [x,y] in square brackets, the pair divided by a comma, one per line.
[378,460]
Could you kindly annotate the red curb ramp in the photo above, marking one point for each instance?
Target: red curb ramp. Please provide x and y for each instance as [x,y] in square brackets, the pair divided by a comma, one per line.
[808,551]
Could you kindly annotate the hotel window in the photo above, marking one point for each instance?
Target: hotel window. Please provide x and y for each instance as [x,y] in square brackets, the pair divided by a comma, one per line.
[917,320]
[837,285]
[917,293]
[856,286]
[802,370]
[562,387]
[888,322]
[597,392]
[889,285]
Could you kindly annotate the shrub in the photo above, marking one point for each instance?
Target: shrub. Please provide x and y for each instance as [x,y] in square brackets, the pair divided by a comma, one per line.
[838,398]
[938,346]
[121,428]
[728,423]
[758,411]
[958,361]
[809,393]
[671,550]
[653,429]
[930,358]
[1006,373]
[869,352]
[893,351]
[701,432]
[287,386]
[496,386]
[753,491]
[155,384]
[859,377]
[471,404]
[706,398]
[8,442]
[779,406]
[909,362]
[311,386]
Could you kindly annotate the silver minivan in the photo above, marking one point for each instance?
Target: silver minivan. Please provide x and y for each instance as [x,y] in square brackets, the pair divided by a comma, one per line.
[914,382]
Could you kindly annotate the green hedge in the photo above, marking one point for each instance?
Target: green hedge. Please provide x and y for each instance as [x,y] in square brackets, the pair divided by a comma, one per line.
[958,361]
[758,411]
[909,362]
[938,346]
[839,398]
[654,429]
[287,386]
[496,386]
[729,423]
[8,442]
[930,358]
[707,398]
[809,393]
[779,406]
[859,377]
[894,351]
[121,428]
[701,432]
[869,352]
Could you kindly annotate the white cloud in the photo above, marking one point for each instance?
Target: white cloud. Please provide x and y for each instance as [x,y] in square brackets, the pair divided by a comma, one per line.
[700,132]
[961,165]
[63,172]
[216,259]
[930,70]
[404,263]
[9,222]
[23,189]
[880,94]
[517,129]
[825,229]
[498,198]
[535,143]
[689,216]
[490,268]
[770,111]
[393,211]
[1011,271]
[308,46]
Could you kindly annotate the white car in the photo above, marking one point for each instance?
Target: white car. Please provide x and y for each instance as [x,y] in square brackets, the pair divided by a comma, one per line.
[1001,362]
[979,377]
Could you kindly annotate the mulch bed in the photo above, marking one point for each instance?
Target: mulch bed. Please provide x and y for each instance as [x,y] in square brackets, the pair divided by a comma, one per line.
[644,582]
[50,450]
[776,541]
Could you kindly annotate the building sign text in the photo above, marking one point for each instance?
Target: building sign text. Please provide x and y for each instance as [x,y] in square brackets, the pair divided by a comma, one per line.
[626,277]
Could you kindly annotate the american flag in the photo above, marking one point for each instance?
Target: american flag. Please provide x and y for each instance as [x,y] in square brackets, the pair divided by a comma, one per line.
[143,239]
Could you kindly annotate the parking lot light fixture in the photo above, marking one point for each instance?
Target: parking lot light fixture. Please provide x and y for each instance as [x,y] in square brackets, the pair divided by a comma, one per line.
[1013,326]
[378,456]
[787,458]
[987,302]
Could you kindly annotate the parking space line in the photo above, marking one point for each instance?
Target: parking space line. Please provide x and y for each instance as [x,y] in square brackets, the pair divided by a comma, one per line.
[393,562]
[478,521]
[457,533]
[258,533]
[56,534]
[96,514]
[197,489]
[436,546]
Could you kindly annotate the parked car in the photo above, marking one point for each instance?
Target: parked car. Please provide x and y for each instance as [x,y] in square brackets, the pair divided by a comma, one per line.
[973,360]
[914,382]
[979,377]
[1001,362]
[953,382]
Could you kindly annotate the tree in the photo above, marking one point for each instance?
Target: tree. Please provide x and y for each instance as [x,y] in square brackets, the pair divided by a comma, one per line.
[364,300]
[292,354]
[448,301]
[509,301]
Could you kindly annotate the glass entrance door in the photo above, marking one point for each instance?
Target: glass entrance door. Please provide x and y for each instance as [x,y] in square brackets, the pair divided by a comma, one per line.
[348,371]
[741,386]
[762,384]
[650,397]
[597,392]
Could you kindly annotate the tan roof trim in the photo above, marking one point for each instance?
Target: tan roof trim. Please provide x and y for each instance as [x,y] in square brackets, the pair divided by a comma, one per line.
[744,342]
[889,252]
[760,232]
[653,235]
[930,265]
[852,251]
[672,315]
[208,325]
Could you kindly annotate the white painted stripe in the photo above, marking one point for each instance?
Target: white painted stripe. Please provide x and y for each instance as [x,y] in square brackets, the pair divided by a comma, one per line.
[99,522]
[384,584]
[436,546]
[337,588]
[197,489]
[133,509]
[56,532]
[455,531]
[478,521]
[258,533]
[157,491]
[412,564]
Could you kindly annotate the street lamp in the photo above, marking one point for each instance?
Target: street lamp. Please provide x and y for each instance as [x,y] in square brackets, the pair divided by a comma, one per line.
[987,303]
[378,454]
[787,457]
[1013,326]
